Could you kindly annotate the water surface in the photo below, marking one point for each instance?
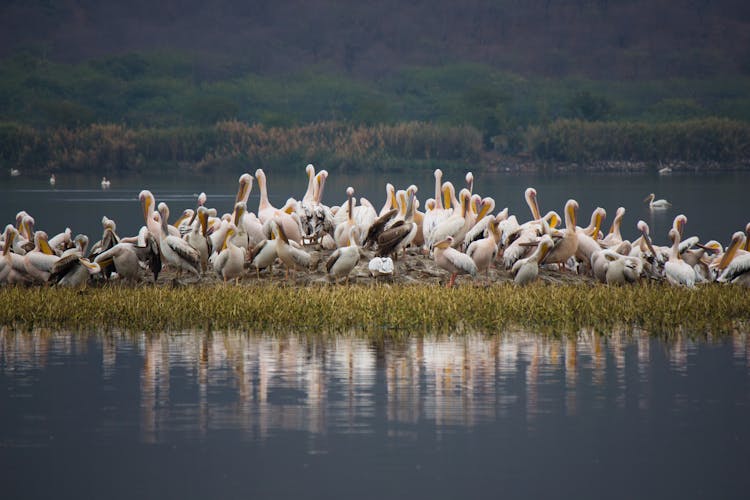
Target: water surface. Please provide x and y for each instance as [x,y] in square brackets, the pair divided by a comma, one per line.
[238,415]
[712,202]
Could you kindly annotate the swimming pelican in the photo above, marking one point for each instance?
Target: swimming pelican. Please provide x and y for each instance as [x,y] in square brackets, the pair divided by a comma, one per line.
[106,183]
[526,270]
[229,263]
[345,258]
[452,260]
[656,204]
[14,172]
[52,180]
[676,270]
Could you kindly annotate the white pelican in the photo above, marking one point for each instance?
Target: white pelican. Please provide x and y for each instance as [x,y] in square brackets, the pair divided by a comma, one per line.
[380,266]
[345,258]
[656,204]
[175,251]
[458,223]
[106,183]
[266,211]
[198,237]
[39,261]
[293,258]
[587,237]
[615,269]
[14,172]
[484,206]
[614,236]
[263,255]
[483,251]
[12,266]
[229,263]
[734,265]
[435,215]
[73,269]
[526,270]
[390,199]
[566,246]
[343,230]
[401,230]
[244,188]
[52,180]
[676,270]
[108,240]
[453,261]
[126,257]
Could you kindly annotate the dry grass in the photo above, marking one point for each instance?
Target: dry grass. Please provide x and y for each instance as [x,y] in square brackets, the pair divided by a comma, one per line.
[381,310]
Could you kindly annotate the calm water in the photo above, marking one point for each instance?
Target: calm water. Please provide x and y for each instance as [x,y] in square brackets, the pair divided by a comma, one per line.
[235,415]
[713,203]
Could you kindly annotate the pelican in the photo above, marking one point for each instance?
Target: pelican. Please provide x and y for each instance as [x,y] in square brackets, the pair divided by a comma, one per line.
[434,216]
[127,256]
[484,206]
[175,251]
[40,261]
[198,237]
[656,204]
[483,251]
[228,264]
[343,230]
[293,258]
[52,180]
[402,232]
[344,259]
[73,269]
[566,246]
[14,172]
[245,187]
[106,183]
[457,224]
[380,266]
[615,269]
[526,270]
[453,261]
[614,236]
[12,265]
[677,271]
[266,211]
[587,237]
[735,263]
[263,255]
[390,199]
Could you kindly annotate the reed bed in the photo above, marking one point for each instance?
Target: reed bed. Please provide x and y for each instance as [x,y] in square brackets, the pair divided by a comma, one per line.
[381,310]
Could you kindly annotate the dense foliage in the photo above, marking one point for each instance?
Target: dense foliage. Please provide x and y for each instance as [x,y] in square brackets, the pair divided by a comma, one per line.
[123,112]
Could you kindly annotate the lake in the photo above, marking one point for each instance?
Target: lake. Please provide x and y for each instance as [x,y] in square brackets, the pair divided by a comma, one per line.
[503,415]
[712,202]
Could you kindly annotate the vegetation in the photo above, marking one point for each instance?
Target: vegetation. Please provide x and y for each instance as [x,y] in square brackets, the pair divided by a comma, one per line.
[124,112]
[384,311]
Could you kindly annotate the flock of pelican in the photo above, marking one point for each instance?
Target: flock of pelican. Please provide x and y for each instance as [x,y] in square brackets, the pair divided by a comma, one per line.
[460,232]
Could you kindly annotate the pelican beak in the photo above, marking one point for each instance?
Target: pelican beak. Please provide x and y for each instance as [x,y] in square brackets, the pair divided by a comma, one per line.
[92,267]
[544,251]
[44,247]
[729,254]
[446,197]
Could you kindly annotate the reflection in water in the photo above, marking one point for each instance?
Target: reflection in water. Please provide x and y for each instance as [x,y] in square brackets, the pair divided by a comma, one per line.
[195,383]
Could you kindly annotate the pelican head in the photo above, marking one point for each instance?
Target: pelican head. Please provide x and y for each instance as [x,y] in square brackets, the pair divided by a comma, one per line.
[239,210]
[202,199]
[679,224]
[82,242]
[738,239]
[649,198]
[571,206]
[443,244]
[147,203]
[531,201]
[243,192]
[470,181]
[9,235]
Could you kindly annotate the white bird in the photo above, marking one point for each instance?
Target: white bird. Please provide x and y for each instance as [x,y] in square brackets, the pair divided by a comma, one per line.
[484,251]
[345,258]
[526,270]
[263,255]
[106,183]
[52,180]
[676,270]
[380,266]
[734,265]
[654,204]
[229,263]
[175,251]
[453,261]
[293,257]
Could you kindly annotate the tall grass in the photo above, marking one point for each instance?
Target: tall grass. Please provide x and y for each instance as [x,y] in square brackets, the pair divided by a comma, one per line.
[389,311]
